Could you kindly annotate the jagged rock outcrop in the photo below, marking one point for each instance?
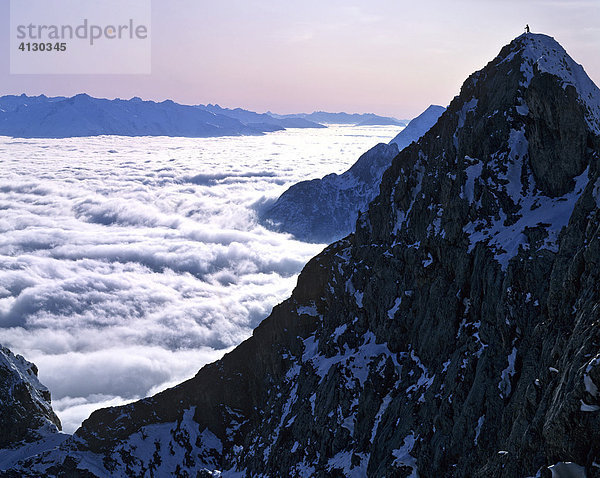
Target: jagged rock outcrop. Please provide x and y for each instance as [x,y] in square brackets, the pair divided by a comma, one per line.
[25,411]
[455,334]
[28,424]
[325,210]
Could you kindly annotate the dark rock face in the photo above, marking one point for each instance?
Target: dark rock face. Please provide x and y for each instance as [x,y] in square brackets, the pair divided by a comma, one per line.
[455,334]
[25,411]
[557,132]
[325,210]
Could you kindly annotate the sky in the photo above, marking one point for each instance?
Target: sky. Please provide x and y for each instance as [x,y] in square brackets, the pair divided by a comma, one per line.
[390,57]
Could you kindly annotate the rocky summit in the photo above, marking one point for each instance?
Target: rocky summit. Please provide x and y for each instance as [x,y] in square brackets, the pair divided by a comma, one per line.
[455,334]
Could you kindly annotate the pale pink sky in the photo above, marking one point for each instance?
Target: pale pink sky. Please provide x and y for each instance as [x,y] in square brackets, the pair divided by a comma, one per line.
[385,56]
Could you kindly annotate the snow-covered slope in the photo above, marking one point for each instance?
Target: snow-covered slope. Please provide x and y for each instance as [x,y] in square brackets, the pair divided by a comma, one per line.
[418,126]
[427,343]
[324,210]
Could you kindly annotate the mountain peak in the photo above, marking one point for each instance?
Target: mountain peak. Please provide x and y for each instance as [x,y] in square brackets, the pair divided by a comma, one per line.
[520,136]
[543,54]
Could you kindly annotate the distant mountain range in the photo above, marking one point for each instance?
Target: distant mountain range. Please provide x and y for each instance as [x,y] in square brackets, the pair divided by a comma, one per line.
[261,120]
[82,115]
[358,119]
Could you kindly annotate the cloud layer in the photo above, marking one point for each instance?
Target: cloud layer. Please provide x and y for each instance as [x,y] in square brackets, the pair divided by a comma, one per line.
[128,263]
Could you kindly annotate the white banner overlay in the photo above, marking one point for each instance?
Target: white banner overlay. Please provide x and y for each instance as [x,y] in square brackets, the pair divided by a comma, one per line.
[80,37]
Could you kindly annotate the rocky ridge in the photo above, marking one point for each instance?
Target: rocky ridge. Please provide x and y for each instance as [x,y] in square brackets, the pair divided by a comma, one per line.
[26,417]
[26,411]
[326,209]
[453,335]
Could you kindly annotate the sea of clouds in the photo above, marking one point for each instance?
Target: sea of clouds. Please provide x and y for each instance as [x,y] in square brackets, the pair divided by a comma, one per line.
[128,263]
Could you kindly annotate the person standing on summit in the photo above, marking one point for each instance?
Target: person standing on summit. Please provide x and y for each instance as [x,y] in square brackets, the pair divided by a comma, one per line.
[527,28]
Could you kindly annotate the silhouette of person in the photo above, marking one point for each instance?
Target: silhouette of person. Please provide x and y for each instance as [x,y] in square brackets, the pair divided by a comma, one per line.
[527,28]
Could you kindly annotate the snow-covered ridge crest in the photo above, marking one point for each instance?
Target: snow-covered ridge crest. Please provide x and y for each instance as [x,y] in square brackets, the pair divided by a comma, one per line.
[548,56]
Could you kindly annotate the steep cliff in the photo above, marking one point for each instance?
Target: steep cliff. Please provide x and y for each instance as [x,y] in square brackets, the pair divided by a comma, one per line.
[26,413]
[455,334]
[27,422]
